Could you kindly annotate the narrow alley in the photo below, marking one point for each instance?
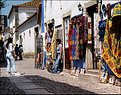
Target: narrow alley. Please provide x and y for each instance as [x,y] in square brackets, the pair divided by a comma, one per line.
[37,81]
[60,47]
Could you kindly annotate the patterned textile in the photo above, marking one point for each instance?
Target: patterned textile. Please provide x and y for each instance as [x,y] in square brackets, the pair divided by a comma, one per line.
[77,37]
[117,10]
[53,45]
[112,49]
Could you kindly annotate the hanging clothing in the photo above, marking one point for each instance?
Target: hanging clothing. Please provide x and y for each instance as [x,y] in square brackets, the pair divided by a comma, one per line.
[112,41]
[112,50]
[77,37]
[101,27]
[53,45]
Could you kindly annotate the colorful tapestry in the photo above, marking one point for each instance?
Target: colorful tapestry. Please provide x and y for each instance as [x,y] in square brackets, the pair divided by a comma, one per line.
[77,37]
[112,48]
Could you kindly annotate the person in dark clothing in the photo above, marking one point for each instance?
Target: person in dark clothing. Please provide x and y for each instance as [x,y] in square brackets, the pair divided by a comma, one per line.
[2,50]
[16,51]
[20,52]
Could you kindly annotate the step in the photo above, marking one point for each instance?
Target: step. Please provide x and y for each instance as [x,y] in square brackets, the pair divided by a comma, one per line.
[91,76]
[94,71]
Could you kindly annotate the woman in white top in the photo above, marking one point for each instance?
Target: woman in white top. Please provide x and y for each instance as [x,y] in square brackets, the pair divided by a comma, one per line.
[11,67]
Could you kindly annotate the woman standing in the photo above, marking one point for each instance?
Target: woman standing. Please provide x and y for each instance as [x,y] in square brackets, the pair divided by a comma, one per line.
[56,65]
[11,67]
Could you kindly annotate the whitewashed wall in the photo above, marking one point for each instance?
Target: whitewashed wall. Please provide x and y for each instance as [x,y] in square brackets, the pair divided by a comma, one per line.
[12,24]
[28,41]
[57,8]
[53,9]
[23,14]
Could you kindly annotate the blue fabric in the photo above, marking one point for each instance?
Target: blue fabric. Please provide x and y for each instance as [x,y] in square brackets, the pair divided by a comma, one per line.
[44,61]
[43,26]
[115,4]
[101,27]
[11,67]
[55,67]
[104,9]
[80,63]
[106,68]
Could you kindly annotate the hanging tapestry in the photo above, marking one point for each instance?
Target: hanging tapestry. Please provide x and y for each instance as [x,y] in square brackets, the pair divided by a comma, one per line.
[112,50]
[112,42]
[77,37]
[53,45]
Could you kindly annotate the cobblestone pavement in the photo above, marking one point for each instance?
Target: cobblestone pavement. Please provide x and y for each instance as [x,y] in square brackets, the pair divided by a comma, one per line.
[62,83]
[6,87]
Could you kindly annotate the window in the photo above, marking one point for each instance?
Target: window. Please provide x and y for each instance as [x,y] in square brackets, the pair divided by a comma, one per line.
[29,33]
[66,29]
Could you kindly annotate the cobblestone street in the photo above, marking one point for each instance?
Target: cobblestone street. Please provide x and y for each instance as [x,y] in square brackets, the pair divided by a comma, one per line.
[37,81]
[6,87]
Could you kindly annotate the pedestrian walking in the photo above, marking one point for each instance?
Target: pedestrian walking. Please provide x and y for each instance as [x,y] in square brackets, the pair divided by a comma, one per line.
[11,67]
[20,52]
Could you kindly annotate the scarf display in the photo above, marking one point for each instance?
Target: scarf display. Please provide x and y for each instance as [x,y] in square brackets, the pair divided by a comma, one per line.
[77,37]
[112,50]
[112,41]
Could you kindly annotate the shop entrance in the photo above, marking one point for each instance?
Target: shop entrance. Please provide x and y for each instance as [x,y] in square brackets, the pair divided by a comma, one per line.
[91,11]
[67,62]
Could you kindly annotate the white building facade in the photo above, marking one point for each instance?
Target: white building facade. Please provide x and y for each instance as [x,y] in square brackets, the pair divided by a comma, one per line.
[27,31]
[18,14]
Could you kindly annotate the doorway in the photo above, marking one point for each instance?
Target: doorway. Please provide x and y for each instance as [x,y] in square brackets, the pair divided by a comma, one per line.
[67,61]
[91,11]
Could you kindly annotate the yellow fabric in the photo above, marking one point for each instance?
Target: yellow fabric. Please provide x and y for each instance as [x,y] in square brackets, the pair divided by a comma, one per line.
[112,50]
[117,10]
[53,46]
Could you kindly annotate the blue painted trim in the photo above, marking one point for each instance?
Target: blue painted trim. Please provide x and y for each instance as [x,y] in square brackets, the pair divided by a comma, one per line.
[43,26]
